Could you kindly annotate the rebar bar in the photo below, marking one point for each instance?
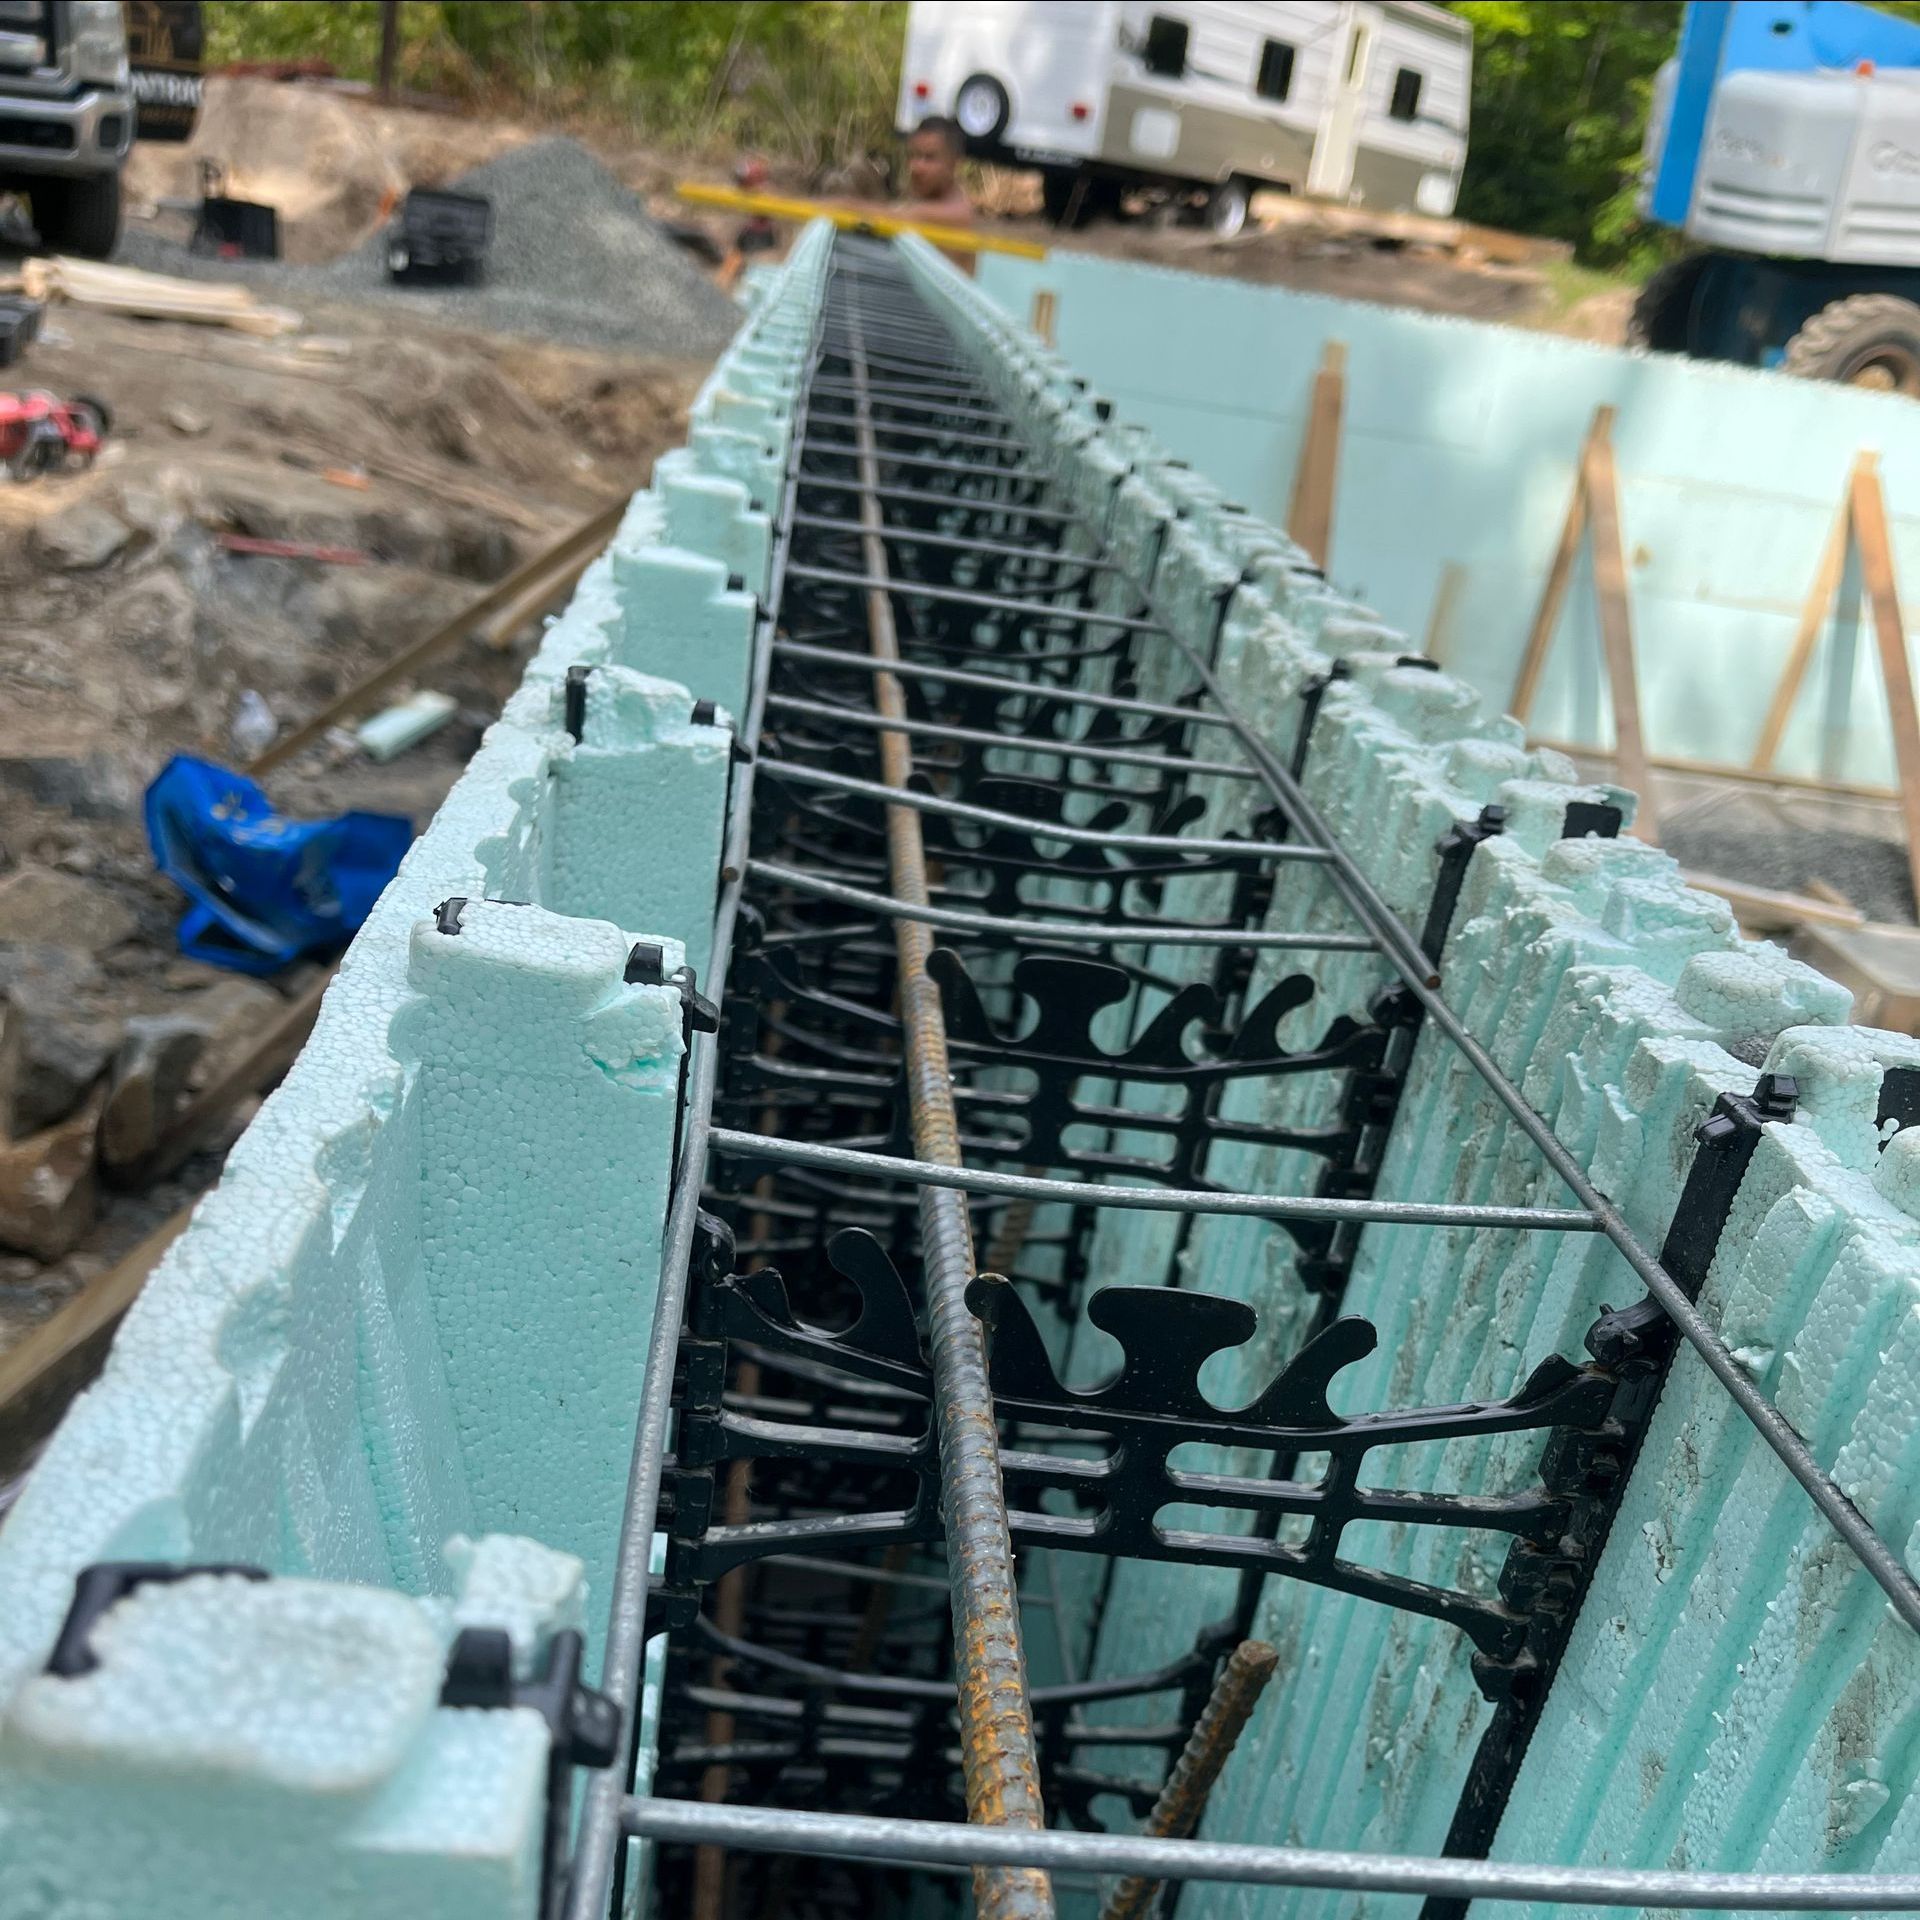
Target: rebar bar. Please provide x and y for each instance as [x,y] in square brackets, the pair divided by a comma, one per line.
[998,1758]
[1236,1692]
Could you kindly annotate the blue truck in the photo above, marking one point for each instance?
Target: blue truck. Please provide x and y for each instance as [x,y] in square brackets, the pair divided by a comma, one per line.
[1784,142]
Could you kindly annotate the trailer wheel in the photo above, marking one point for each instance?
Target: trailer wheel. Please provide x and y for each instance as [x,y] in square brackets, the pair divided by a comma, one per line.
[1871,340]
[1227,206]
[1662,317]
[981,107]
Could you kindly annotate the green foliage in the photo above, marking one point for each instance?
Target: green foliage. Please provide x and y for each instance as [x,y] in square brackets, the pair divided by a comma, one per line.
[812,81]
[1560,96]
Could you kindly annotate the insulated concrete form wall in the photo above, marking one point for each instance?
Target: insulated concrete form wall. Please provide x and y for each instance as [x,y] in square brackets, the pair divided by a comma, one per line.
[395,1360]
[1459,446]
[1736,1692]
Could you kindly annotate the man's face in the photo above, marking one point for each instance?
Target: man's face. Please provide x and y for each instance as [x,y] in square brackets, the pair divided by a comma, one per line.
[931,167]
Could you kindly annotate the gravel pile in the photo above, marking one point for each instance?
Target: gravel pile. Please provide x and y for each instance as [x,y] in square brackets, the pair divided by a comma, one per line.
[575,257]
[1869,870]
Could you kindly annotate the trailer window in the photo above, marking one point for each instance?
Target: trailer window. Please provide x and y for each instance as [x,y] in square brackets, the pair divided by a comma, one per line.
[1406,95]
[1276,71]
[1165,52]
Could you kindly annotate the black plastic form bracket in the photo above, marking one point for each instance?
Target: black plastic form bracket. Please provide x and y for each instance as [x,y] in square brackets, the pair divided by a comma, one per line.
[99,1588]
[583,1725]
[1311,695]
[1455,848]
[1589,1467]
[574,702]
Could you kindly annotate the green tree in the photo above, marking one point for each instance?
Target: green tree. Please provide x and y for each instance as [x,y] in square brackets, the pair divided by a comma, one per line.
[807,80]
[1560,96]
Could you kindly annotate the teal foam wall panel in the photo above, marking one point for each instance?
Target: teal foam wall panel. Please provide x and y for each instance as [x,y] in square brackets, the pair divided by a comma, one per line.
[1736,1693]
[1459,446]
[396,1357]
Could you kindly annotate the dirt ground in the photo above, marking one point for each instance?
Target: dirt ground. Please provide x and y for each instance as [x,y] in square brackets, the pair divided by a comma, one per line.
[130,631]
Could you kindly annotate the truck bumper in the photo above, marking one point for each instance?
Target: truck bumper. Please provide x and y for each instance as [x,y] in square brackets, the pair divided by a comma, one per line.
[86,133]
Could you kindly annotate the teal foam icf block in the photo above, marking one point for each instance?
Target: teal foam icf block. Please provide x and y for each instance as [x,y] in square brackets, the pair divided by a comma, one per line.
[639,806]
[244,1746]
[680,620]
[546,1090]
[418,1296]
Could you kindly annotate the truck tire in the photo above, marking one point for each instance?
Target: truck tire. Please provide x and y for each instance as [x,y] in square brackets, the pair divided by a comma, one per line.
[1662,317]
[78,216]
[1869,340]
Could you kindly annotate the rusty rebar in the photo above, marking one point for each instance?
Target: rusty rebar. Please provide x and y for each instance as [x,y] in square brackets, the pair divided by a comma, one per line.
[998,1759]
[1236,1692]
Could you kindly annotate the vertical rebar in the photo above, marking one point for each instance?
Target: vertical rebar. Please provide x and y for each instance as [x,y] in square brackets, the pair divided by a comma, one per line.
[1183,1799]
[996,1720]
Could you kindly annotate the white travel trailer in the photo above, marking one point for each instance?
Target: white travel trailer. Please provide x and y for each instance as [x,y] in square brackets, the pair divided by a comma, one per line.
[1358,101]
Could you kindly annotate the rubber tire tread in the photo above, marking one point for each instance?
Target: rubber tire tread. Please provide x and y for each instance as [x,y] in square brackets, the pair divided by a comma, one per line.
[1815,352]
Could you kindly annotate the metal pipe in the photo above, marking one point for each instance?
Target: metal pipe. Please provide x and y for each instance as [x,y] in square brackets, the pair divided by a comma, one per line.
[802,775]
[999,1760]
[1093,932]
[948,1843]
[1264,1206]
[1236,1692]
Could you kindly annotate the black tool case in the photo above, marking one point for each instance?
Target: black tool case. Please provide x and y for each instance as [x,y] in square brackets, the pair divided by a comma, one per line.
[440,236]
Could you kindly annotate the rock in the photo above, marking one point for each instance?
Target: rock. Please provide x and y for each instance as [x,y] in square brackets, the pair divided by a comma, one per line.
[185,420]
[96,788]
[54,1042]
[80,538]
[149,1076]
[229,1017]
[47,1186]
[53,909]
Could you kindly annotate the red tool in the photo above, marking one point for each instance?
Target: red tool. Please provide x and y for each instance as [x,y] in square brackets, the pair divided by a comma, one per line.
[41,433]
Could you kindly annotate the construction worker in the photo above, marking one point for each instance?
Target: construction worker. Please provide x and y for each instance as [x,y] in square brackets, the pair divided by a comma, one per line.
[934,191]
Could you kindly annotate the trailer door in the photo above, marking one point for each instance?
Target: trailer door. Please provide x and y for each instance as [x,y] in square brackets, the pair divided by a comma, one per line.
[1331,175]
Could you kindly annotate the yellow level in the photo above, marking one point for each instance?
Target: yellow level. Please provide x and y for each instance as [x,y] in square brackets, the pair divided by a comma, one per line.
[777,207]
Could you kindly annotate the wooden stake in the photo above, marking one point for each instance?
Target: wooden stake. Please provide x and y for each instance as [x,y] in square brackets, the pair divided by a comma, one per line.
[1310,511]
[1813,616]
[1594,512]
[1446,605]
[1869,508]
[1043,309]
[1546,616]
[1616,628]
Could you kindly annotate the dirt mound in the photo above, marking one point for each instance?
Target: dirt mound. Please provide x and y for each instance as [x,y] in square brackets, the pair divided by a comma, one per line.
[575,257]
[325,162]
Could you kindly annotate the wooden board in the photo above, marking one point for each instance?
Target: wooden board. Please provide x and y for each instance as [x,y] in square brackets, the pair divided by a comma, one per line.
[1310,511]
[1813,616]
[1546,616]
[1890,637]
[1616,627]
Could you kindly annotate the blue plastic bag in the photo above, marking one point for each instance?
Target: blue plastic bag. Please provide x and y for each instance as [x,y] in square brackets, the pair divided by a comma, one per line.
[265,889]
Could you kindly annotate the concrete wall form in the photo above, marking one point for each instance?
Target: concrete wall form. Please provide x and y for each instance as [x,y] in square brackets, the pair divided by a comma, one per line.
[1460,446]
[396,1358]
[1736,1693]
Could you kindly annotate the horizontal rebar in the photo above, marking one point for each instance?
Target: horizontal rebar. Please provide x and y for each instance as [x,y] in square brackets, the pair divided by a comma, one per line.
[1141,933]
[976,597]
[948,1843]
[806,776]
[1004,683]
[1019,742]
[960,542]
[1088,1193]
